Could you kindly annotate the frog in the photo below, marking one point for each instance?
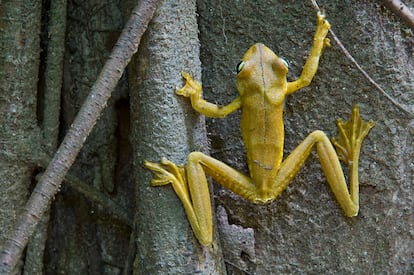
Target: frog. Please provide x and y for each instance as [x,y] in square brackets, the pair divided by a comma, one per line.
[263,87]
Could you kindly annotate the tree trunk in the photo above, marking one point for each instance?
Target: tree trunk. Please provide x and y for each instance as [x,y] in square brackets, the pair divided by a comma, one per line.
[164,126]
[19,134]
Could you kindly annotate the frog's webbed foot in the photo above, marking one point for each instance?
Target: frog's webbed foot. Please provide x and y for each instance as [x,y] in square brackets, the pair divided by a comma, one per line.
[166,172]
[351,135]
[191,86]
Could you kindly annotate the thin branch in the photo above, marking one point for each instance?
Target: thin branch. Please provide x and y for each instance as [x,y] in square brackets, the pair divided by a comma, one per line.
[53,74]
[89,113]
[401,10]
[132,251]
[362,71]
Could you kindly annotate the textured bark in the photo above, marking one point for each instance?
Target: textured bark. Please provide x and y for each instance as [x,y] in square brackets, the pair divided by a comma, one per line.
[49,95]
[163,125]
[19,134]
[52,178]
[304,230]
[83,238]
[401,10]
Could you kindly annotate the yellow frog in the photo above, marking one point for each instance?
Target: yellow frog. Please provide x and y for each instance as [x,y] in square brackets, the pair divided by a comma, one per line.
[262,84]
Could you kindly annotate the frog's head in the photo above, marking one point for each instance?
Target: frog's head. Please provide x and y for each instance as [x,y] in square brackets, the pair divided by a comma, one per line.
[259,69]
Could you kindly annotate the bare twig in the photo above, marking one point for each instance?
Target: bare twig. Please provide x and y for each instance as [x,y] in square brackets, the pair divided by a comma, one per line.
[363,72]
[83,124]
[401,10]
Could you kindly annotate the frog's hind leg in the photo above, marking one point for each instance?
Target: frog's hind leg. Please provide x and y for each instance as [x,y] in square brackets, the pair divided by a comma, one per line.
[167,172]
[351,136]
[192,188]
[348,146]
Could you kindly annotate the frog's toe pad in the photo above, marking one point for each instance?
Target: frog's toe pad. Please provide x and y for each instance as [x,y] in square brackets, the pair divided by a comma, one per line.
[321,16]
[322,20]
[191,86]
[161,175]
[327,42]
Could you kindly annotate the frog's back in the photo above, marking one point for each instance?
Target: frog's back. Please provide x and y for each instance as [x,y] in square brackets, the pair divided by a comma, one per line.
[261,82]
[263,132]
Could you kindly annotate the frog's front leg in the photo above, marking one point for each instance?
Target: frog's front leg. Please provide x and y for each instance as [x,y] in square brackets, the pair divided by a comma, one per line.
[192,188]
[311,64]
[192,89]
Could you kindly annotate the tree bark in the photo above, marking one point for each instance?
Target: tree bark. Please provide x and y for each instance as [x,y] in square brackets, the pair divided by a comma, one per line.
[164,125]
[19,134]
[49,98]
[52,178]
[304,230]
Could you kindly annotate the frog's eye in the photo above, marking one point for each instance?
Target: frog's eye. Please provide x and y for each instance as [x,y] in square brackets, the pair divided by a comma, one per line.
[284,62]
[239,66]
